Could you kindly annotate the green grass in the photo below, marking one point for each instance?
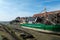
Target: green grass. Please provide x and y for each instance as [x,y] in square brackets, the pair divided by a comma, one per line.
[43,26]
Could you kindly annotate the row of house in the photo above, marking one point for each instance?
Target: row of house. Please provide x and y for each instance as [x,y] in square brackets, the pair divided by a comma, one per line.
[27,19]
[49,17]
[53,17]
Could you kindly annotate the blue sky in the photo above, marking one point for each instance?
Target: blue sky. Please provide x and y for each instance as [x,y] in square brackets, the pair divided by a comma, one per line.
[10,9]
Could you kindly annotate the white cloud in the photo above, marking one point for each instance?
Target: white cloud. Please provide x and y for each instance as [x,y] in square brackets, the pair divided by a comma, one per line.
[7,17]
[11,10]
[50,0]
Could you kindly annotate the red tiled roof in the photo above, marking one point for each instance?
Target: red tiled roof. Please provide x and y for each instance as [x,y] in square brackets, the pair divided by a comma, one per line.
[44,14]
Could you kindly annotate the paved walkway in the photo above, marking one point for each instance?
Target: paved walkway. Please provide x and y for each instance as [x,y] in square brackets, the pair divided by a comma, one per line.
[42,36]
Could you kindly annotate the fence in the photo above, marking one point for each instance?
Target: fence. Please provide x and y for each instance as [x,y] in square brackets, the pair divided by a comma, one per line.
[43,26]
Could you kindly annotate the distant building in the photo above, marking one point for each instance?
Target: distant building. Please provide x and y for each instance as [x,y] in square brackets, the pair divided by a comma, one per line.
[53,17]
[23,19]
[27,19]
[31,19]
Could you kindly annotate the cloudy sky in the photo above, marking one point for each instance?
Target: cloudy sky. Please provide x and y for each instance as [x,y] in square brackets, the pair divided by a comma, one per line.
[10,9]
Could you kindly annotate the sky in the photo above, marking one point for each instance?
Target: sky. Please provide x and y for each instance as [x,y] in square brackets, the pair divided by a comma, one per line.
[10,9]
